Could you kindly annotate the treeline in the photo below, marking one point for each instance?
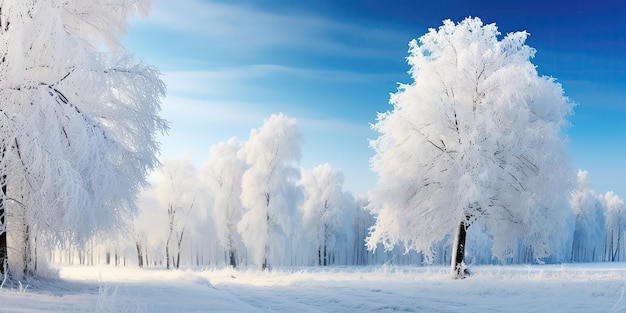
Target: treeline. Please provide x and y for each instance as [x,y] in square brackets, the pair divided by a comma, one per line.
[600,225]
[251,205]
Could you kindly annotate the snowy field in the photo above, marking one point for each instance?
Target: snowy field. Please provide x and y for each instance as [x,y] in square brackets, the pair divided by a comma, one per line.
[550,288]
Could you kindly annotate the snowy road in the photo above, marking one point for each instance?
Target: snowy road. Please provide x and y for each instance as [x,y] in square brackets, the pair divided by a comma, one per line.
[588,288]
[547,289]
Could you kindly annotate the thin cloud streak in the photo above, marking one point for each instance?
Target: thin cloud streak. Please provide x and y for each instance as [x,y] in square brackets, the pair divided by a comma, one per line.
[176,108]
[238,27]
[230,78]
[250,115]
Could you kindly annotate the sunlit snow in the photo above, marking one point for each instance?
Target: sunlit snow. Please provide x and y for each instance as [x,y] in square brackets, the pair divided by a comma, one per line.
[590,287]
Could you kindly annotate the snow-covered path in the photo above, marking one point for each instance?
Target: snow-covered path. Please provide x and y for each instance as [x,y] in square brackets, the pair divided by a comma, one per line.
[491,289]
[108,289]
[584,288]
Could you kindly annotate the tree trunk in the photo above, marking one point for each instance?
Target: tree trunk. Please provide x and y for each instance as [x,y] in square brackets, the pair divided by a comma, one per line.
[616,246]
[179,243]
[325,245]
[28,252]
[146,255]
[233,257]
[170,212]
[265,264]
[319,256]
[167,255]
[139,254]
[458,252]
[4,257]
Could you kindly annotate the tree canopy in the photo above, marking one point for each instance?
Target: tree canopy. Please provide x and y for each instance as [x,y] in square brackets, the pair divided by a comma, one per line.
[268,189]
[78,117]
[476,138]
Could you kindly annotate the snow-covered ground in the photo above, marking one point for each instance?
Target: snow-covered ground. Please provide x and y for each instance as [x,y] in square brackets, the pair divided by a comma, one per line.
[598,287]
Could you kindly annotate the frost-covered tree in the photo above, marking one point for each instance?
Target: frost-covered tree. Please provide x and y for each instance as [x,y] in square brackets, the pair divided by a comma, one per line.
[147,237]
[78,119]
[325,215]
[176,190]
[363,220]
[222,173]
[615,244]
[589,230]
[269,193]
[477,138]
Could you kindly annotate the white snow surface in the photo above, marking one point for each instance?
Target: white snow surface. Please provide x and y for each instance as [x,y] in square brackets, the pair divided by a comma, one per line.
[591,287]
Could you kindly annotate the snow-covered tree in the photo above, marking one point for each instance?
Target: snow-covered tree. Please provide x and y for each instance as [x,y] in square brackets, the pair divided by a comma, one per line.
[222,173]
[615,244]
[589,230]
[269,193]
[325,215]
[78,119]
[363,220]
[176,190]
[477,138]
[146,234]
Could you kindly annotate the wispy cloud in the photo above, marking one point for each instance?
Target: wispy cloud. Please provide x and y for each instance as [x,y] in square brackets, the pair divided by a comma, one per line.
[295,62]
[229,66]
[316,74]
[192,111]
[238,27]
[248,115]
[230,79]
[196,124]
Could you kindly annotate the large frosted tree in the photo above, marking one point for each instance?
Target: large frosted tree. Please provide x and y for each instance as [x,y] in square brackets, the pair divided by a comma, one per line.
[78,119]
[476,138]
[269,192]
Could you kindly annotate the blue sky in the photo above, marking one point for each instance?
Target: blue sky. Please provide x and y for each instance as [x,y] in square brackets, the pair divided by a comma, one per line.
[332,64]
